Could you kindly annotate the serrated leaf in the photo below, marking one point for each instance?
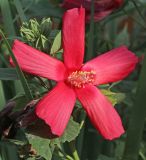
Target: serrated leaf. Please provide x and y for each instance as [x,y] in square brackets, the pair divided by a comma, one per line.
[71,132]
[8,74]
[113,97]
[56,44]
[41,146]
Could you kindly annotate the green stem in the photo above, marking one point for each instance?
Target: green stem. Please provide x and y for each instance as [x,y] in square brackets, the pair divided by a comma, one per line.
[136,125]
[73,150]
[80,140]
[142,156]
[138,10]
[42,83]
[90,53]
[19,72]
[83,120]
[64,154]
[20,10]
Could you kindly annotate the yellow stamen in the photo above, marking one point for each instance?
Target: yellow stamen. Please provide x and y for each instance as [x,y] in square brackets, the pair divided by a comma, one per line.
[80,78]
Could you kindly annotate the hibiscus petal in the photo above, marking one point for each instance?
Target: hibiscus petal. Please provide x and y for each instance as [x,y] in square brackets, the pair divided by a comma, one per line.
[56,107]
[73,37]
[101,112]
[113,65]
[38,63]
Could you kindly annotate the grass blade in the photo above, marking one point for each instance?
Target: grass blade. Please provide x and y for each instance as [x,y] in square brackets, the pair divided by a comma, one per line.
[10,88]
[90,50]
[2,99]
[8,74]
[8,151]
[20,10]
[137,120]
[7,17]
[19,72]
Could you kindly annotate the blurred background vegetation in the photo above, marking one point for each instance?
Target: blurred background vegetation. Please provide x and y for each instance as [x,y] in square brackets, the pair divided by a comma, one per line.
[38,23]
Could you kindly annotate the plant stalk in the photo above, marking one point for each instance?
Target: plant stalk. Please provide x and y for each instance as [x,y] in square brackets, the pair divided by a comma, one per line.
[73,150]
[136,125]
[90,50]
[19,72]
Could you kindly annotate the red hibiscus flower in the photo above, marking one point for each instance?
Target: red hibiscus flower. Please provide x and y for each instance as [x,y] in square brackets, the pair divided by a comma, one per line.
[102,7]
[76,80]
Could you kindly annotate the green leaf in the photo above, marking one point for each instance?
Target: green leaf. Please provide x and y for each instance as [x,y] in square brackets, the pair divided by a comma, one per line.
[137,119]
[21,101]
[120,145]
[71,132]
[41,145]
[122,38]
[56,44]
[18,69]
[8,151]
[37,34]
[8,74]
[41,8]
[31,158]
[90,48]
[113,97]
[2,101]
[20,10]
[46,26]
[102,157]
[7,17]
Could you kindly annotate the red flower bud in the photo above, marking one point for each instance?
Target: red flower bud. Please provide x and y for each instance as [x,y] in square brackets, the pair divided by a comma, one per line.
[102,7]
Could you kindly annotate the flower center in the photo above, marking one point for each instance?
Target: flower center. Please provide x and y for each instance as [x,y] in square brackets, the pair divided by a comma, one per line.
[79,79]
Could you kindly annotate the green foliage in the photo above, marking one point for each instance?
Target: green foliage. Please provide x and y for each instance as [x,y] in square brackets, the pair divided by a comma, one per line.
[114,98]
[122,38]
[102,157]
[137,119]
[8,74]
[2,102]
[34,35]
[56,43]
[125,26]
[7,16]
[21,101]
[41,35]
[18,69]
[8,151]
[71,132]
[46,150]
[20,10]
[39,8]
[41,146]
